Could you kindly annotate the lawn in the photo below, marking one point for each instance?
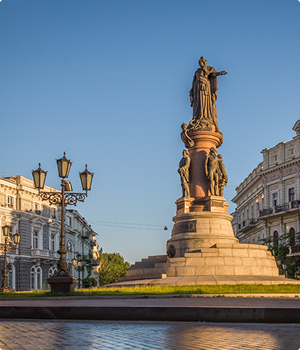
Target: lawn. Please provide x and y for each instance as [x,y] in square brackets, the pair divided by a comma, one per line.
[162,290]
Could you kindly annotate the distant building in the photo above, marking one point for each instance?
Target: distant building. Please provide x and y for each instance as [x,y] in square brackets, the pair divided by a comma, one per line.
[268,200]
[39,225]
[81,239]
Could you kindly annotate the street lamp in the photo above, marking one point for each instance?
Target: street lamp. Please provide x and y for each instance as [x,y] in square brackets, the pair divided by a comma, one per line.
[62,281]
[80,266]
[7,247]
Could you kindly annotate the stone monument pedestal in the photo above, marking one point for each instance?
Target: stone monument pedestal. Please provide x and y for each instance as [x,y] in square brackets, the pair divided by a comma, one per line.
[202,241]
[63,284]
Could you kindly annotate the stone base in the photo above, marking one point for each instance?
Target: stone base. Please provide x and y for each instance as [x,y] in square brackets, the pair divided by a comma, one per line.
[196,230]
[208,280]
[223,259]
[62,284]
[214,204]
[6,290]
[183,205]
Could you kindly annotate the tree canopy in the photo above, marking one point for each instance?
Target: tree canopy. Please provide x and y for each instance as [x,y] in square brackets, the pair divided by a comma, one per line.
[111,267]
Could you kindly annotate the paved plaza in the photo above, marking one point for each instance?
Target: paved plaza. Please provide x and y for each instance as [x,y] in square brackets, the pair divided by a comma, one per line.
[161,308]
[62,335]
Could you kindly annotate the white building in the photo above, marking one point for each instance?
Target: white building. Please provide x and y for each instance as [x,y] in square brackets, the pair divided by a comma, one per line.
[81,239]
[39,225]
[268,200]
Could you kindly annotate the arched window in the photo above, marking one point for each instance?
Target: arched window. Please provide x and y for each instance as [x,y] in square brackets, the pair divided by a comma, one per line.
[70,247]
[292,236]
[275,239]
[35,277]
[52,271]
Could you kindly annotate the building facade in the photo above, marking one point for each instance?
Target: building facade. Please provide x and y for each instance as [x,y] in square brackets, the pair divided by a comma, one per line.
[81,239]
[268,200]
[39,224]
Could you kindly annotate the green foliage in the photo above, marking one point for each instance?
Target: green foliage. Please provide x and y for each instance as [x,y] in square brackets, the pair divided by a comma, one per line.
[111,267]
[89,268]
[281,252]
[89,282]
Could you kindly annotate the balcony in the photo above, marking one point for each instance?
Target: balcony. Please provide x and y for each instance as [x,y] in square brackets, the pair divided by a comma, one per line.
[53,255]
[246,225]
[43,254]
[39,253]
[294,250]
[279,208]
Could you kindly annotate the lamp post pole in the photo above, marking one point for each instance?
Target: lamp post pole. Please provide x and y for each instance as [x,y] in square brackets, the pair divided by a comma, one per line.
[81,262]
[62,251]
[4,286]
[6,247]
[79,269]
[62,281]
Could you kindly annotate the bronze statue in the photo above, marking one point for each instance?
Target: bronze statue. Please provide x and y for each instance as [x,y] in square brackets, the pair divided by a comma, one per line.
[212,171]
[203,96]
[223,177]
[184,172]
[188,142]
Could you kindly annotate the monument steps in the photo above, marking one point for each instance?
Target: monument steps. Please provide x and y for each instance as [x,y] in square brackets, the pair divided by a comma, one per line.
[148,262]
[221,259]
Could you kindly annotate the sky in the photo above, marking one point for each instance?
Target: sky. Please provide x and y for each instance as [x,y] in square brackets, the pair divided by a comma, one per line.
[108,83]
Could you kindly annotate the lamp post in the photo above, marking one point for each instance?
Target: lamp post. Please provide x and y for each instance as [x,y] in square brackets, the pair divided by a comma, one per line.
[7,247]
[62,281]
[80,266]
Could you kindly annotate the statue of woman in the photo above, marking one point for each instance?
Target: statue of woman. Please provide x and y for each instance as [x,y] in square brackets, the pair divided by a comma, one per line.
[203,94]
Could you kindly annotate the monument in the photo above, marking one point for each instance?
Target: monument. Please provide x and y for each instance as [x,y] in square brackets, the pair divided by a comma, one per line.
[202,241]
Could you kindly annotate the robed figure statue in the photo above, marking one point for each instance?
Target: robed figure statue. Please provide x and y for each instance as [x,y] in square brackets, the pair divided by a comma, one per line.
[203,95]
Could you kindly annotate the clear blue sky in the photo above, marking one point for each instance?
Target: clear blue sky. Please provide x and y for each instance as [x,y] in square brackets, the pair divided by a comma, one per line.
[108,82]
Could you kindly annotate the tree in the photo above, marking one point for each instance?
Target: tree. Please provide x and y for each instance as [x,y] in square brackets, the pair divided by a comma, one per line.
[111,267]
[280,250]
[89,281]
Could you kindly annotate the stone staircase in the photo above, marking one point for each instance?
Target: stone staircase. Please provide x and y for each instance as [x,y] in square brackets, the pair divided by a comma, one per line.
[222,259]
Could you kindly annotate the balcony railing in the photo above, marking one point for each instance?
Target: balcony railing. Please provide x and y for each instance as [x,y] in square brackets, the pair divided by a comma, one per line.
[39,253]
[294,249]
[44,254]
[279,208]
[247,225]
[53,255]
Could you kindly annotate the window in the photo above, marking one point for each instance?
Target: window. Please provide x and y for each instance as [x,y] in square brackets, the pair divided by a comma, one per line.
[274,158]
[69,221]
[10,201]
[53,213]
[35,239]
[52,271]
[70,247]
[291,194]
[292,236]
[247,213]
[275,199]
[35,277]
[9,278]
[275,239]
[52,242]
[36,206]
[252,212]
[290,152]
